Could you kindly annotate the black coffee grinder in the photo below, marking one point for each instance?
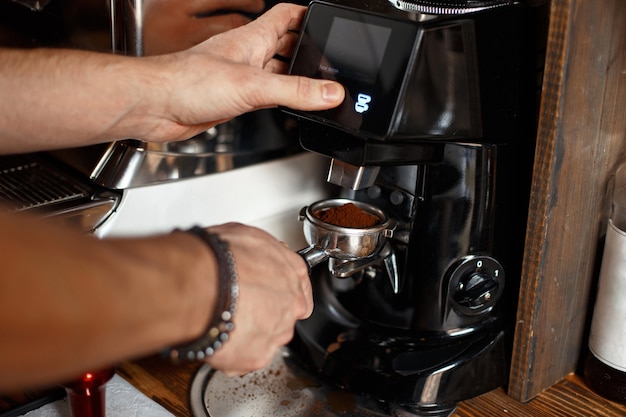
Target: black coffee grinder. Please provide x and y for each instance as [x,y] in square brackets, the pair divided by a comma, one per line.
[438,131]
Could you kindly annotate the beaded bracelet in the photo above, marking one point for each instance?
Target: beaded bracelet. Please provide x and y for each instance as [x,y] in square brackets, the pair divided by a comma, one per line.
[222,323]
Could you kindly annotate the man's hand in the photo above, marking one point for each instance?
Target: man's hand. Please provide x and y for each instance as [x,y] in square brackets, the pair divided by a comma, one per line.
[274,292]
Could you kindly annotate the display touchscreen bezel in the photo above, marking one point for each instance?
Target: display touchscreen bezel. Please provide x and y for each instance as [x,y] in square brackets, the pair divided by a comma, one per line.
[370,104]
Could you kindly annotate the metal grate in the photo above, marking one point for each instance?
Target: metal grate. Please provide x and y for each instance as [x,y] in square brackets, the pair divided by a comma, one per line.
[26,183]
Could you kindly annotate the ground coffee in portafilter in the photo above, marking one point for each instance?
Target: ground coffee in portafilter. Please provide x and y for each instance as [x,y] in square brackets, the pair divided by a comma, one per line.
[347,215]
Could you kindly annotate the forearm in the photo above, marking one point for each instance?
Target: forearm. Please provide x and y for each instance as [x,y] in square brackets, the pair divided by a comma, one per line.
[62,309]
[65,98]
[62,98]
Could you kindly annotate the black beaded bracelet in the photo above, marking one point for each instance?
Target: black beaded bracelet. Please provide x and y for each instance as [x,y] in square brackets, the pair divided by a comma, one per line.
[222,323]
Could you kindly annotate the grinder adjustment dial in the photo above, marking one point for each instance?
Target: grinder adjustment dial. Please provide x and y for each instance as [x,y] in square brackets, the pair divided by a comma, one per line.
[448,7]
[476,284]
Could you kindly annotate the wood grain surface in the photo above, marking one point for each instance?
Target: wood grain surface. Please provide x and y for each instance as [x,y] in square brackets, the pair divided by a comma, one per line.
[169,385]
[581,140]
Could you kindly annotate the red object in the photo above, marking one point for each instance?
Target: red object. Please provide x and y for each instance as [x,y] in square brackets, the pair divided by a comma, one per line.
[87,395]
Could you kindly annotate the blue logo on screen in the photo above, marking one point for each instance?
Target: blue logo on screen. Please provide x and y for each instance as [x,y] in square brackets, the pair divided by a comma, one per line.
[362,103]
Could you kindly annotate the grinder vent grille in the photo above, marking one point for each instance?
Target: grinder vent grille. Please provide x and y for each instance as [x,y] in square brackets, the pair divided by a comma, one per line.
[26,183]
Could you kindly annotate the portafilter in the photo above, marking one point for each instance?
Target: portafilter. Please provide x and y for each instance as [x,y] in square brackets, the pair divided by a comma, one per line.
[327,240]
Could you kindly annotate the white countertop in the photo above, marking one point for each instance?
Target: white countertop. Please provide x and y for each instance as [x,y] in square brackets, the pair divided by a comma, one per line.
[268,195]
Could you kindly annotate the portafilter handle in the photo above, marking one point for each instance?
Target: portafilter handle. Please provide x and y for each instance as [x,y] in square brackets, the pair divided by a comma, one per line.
[313,255]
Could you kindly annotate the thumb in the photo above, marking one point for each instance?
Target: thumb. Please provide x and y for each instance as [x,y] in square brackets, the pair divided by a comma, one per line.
[300,93]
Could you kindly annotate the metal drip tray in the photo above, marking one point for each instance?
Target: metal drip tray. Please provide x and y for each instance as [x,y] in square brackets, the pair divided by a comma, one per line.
[283,389]
[25,184]
[31,182]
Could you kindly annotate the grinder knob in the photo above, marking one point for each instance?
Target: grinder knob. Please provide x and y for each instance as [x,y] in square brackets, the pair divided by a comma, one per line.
[476,283]
[477,290]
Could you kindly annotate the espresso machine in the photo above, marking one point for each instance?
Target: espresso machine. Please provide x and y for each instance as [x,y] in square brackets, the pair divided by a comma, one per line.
[438,132]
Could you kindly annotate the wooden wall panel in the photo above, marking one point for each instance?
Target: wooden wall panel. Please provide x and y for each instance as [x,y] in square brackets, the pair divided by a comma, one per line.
[581,139]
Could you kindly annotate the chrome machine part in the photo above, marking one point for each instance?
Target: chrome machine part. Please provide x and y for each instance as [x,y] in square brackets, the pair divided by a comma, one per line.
[35,184]
[249,139]
[351,176]
[127,26]
[35,5]
[448,7]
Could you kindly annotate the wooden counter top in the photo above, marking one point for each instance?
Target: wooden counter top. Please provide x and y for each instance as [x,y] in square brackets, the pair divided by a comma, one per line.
[169,385]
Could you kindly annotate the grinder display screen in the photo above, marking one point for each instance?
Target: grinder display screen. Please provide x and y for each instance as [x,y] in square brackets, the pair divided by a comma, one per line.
[368,53]
[355,50]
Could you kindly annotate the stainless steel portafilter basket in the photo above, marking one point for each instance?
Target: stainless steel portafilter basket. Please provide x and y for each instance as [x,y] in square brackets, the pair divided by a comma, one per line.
[327,240]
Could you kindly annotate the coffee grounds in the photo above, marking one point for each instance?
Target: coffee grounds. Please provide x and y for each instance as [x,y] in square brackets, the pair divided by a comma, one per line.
[347,215]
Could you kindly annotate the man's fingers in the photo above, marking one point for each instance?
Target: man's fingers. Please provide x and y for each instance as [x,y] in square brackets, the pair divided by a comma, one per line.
[299,93]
